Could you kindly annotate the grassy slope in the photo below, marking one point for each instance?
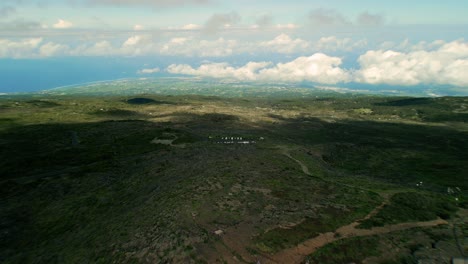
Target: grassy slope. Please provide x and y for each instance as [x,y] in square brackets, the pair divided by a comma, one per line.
[115,197]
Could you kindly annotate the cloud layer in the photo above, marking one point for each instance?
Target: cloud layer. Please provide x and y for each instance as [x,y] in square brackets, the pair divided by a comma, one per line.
[446,66]
[62,24]
[149,71]
[437,62]
[318,68]
[332,17]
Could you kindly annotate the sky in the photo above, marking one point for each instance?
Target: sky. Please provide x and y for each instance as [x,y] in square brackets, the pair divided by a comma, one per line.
[48,43]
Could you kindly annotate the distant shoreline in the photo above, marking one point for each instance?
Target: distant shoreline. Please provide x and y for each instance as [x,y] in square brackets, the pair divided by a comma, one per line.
[87,83]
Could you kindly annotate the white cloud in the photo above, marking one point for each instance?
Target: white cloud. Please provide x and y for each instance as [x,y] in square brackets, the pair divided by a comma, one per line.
[191,27]
[101,48]
[138,45]
[149,71]
[138,27]
[281,44]
[31,48]
[247,72]
[333,43]
[133,41]
[287,26]
[25,48]
[202,48]
[178,41]
[62,24]
[404,64]
[455,49]
[446,65]
[318,68]
[285,44]
[53,49]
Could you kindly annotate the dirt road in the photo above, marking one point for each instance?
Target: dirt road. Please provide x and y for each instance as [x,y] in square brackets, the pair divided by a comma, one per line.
[298,253]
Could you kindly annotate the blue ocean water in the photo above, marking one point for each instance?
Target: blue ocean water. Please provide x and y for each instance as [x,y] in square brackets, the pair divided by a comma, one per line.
[30,75]
[27,75]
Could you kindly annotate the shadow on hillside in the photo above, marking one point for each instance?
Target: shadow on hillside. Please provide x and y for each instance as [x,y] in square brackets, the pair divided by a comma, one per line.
[200,119]
[406,102]
[394,150]
[41,163]
[43,103]
[452,117]
[146,101]
[120,113]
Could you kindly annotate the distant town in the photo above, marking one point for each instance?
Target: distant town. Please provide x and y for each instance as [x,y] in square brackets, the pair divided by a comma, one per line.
[234,140]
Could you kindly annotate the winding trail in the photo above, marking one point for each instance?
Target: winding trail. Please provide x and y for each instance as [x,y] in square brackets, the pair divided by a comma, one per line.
[232,245]
[285,151]
[298,253]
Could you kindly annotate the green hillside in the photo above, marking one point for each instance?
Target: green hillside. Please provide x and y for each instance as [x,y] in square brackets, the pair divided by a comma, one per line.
[202,179]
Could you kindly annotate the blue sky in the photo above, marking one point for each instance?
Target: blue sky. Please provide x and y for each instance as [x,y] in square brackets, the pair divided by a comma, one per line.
[125,13]
[400,43]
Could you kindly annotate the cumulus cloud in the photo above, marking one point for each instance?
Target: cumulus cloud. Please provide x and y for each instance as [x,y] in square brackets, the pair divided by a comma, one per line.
[53,49]
[62,24]
[327,17]
[133,41]
[192,46]
[332,43]
[407,46]
[202,48]
[446,65]
[149,71]
[101,48]
[178,41]
[429,46]
[220,21]
[318,68]
[221,47]
[19,49]
[287,26]
[403,64]
[191,27]
[138,27]
[282,44]
[220,70]
[138,45]
[285,44]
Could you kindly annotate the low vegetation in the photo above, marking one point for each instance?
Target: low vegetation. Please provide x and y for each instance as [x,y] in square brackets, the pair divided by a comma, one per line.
[81,181]
[347,251]
[412,207]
